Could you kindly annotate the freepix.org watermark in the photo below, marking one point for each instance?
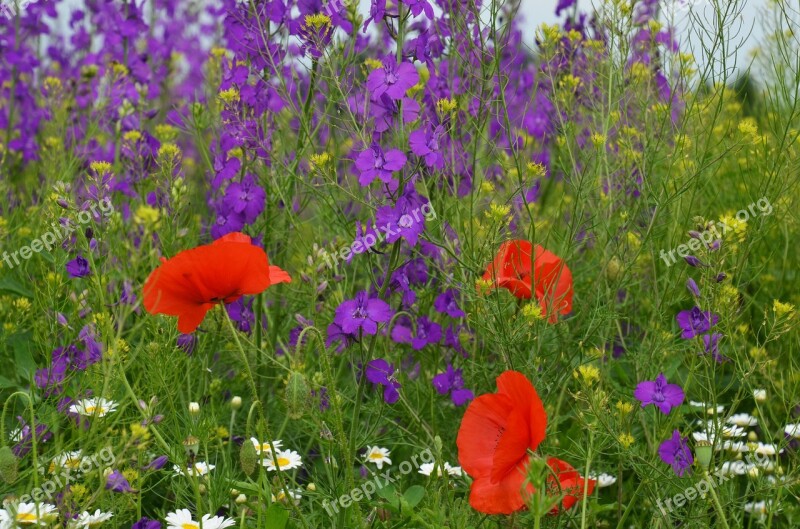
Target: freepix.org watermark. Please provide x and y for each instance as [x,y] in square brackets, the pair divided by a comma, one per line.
[12,8]
[363,244]
[57,233]
[69,470]
[715,231]
[367,489]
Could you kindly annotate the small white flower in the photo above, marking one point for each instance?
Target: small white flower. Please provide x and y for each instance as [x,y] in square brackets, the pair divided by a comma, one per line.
[182,519]
[759,508]
[378,455]
[766,449]
[710,410]
[27,514]
[194,408]
[736,446]
[743,419]
[264,448]
[427,469]
[66,462]
[760,395]
[733,431]
[201,468]
[88,520]
[281,497]
[94,407]
[286,460]
[604,480]
[735,468]
[792,430]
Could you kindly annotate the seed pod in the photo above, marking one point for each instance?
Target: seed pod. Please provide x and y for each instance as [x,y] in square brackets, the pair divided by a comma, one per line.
[248,457]
[298,395]
[8,465]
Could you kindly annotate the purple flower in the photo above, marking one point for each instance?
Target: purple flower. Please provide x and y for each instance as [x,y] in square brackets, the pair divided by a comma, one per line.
[418,6]
[374,163]
[146,523]
[425,144]
[694,262]
[446,303]
[452,382]
[362,313]
[392,79]
[157,463]
[78,267]
[693,288]
[406,219]
[335,334]
[380,373]
[187,343]
[23,436]
[116,482]
[694,322]
[711,346]
[658,392]
[377,10]
[427,332]
[246,198]
[675,451]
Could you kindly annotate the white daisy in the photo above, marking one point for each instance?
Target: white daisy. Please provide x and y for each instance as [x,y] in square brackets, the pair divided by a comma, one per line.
[733,431]
[182,519]
[264,448]
[427,469]
[604,480]
[378,455]
[742,419]
[766,449]
[94,407]
[760,395]
[710,410]
[286,460]
[735,468]
[281,497]
[90,521]
[792,430]
[65,462]
[201,468]
[735,446]
[759,508]
[27,514]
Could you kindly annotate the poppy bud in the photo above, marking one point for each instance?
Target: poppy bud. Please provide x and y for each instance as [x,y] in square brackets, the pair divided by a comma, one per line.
[298,395]
[236,402]
[192,445]
[8,465]
[248,457]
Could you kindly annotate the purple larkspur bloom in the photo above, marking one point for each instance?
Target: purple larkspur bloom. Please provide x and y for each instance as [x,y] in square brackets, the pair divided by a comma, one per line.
[659,393]
[23,436]
[425,144]
[406,219]
[451,381]
[335,334]
[246,198]
[187,343]
[116,482]
[146,523]
[375,163]
[446,303]
[427,333]
[377,10]
[380,373]
[157,463]
[675,451]
[694,262]
[419,6]
[564,5]
[362,312]
[695,322]
[392,79]
[78,267]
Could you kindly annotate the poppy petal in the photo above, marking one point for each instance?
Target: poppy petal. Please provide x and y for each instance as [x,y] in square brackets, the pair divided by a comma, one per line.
[480,430]
[513,445]
[504,497]
[520,390]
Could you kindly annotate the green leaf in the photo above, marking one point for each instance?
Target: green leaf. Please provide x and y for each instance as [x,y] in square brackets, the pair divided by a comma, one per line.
[277,517]
[414,495]
[9,284]
[23,355]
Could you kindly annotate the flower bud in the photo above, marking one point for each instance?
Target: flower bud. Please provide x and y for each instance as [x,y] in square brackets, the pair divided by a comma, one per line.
[8,465]
[248,457]
[236,402]
[194,408]
[703,452]
[298,395]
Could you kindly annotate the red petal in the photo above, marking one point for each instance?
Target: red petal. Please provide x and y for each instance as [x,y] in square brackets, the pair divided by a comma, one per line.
[504,497]
[522,393]
[480,430]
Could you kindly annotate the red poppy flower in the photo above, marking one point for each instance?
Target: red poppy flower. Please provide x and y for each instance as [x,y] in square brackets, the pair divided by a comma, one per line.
[192,282]
[567,481]
[545,276]
[493,441]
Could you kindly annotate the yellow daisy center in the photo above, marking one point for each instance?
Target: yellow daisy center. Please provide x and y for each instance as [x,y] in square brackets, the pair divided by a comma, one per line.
[283,461]
[26,517]
[376,455]
[189,525]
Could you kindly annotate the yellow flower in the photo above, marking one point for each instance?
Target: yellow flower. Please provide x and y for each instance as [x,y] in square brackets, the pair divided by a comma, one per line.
[132,136]
[536,169]
[626,440]
[588,373]
[782,309]
[532,312]
[498,212]
[166,133]
[624,408]
[319,161]
[372,64]
[446,106]
[146,215]
[487,187]
[100,168]
[483,286]
[168,152]
[229,96]
[317,21]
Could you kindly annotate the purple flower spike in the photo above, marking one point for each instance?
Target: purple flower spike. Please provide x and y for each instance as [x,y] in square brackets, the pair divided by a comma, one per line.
[116,482]
[374,163]
[694,322]
[675,451]
[362,313]
[694,262]
[392,79]
[711,346]
[380,373]
[452,382]
[446,303]
[659,393]
[693,288]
